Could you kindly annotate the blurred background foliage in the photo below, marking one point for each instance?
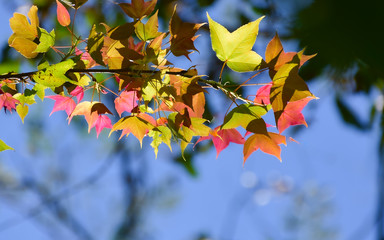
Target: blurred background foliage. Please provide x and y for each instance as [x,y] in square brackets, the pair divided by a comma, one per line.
[347,36]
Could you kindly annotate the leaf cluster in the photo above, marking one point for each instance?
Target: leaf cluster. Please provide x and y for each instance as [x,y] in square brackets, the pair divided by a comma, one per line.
[152,97]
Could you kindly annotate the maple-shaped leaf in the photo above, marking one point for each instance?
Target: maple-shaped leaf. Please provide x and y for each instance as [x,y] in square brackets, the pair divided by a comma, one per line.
[4,146]
[78,92]
[292,114]
[132,124]
[287,86]
[243,115]
[95,44]
[138,8]
[222,138]
[24,33]
[47,40]
[7,101]
[276,57]
[262,94]
[126,101]
[160,134]
[100,121]
[149,30]
[62,103]
[235,49]
[85,56]
[25,99]
[262,139]
[62,14]
[182,35]
[54,75]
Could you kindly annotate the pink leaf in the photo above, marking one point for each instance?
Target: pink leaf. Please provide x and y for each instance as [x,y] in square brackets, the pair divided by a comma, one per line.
[126,102]
[78,92]
[222,138]
[292,114]
[8,102]
[102,121]
[262,95]
[63,103]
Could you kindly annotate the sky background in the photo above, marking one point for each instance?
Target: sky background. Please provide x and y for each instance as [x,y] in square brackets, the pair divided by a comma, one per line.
[331,157]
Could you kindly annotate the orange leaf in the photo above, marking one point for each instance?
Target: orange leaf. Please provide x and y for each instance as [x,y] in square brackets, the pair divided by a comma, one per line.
[138,8]
[62,14]
[292,114]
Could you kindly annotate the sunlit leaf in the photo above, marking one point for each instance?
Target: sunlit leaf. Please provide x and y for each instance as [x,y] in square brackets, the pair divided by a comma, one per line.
[235,49]
[138,8]
[62,14]
[149,30]
[4,146]
[54,75]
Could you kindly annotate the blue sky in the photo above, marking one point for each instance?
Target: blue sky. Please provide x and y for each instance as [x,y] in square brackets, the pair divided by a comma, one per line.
[332,156]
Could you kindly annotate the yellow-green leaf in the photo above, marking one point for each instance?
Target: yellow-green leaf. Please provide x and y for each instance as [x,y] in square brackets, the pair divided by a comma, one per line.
[54,75]
[148,30]
[47,40]
[235,49]
[4,146]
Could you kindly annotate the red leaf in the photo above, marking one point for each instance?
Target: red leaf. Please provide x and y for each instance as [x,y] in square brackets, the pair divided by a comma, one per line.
[100,122]
[126,102]
[87,57]
[8,102]
[62,14]
[222,138]
[78,92]
[262,95]
[63,103]
[292,114]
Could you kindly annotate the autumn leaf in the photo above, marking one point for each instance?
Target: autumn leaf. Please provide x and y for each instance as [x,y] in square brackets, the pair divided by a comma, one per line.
[24,33]
[78,92]
[126,101]
[132,124]
[47,40]
[138,8]
[222,138]
[4,146]
[62,103]
[149,30]
[62,14]
[262,139]
[292,114]
[8,102]
[276,57]
[262,94]
[160,134]
[25,100]
[287,86]
[54,75]
[100,121]
[182,35]
[235,49]
[243,115]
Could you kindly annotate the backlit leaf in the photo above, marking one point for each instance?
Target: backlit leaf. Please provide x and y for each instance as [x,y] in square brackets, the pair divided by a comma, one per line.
[138,8]
[54,75]
[236,48]
[47,40]
[62,103]
[182,35]
[292,114]
[243,115]
[4,146]
[62,14]
[149,30]
[132,124]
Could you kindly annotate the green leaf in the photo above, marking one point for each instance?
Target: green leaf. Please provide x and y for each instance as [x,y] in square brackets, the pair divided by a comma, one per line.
[243,115]
[47,40]
[40,90]
[54,75]
[148,30]
[235,49]
[4,146]
[160,134]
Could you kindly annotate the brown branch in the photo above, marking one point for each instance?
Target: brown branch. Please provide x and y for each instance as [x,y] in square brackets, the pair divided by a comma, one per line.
[111,71]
